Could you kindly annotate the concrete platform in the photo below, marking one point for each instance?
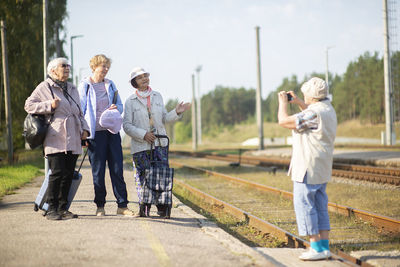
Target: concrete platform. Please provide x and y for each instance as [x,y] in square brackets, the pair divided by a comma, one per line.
[187,239]
[377,157]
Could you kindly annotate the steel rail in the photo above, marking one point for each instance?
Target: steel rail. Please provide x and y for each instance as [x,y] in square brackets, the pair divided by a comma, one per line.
[264,226]
[386,223]
[358,172]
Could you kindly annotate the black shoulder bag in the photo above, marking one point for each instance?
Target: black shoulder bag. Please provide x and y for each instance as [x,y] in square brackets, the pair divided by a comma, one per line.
[35,127]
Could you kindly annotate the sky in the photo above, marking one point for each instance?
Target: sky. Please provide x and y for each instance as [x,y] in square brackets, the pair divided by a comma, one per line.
[171,38]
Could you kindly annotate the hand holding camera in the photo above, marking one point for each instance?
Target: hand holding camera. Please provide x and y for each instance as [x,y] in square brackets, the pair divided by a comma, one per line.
[289,97]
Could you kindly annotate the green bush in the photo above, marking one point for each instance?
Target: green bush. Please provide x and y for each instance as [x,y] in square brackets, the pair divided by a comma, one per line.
[183,132]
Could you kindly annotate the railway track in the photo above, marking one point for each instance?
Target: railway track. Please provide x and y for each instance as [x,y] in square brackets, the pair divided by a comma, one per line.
[382,222]
[263,226]
[350,171]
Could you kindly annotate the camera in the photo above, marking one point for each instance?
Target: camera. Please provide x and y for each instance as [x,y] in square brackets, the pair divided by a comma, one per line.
[289,97]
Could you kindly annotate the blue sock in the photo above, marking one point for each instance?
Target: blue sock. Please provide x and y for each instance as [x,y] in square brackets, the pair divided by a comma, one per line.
[324,244]
[317,246]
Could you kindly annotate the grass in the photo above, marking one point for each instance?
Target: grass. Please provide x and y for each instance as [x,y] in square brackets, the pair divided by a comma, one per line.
[12,177]
[355,128]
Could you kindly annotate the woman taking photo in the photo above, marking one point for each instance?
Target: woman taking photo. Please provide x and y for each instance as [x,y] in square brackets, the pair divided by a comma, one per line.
[144,117]
[104,144]
[59,99]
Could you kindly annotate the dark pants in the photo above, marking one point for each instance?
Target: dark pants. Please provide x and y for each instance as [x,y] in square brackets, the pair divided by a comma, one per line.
[107,147]
[62,166]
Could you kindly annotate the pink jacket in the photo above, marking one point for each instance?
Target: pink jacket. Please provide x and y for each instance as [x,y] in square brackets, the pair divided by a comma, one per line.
[68,123]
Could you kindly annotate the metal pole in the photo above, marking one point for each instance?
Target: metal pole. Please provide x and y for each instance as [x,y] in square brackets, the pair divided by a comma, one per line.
[194,124]
[7,93]
[44,39]
[199,130]
[327,68]
[72,55]
[258,94]
[72,59]
[46,162]
[387,73]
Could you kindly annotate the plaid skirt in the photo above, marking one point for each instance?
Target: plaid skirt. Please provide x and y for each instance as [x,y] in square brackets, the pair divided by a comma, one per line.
[153,181]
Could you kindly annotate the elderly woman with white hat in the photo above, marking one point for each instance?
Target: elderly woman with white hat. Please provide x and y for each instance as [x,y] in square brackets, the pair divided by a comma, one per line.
[59,99]
[144,117]
[102,108]
[314,131]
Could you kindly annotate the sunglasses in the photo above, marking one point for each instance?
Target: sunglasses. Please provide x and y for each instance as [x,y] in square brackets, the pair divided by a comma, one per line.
[65,66]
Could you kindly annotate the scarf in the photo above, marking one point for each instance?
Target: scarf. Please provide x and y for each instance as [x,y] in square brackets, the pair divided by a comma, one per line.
[146,95]
[63,86]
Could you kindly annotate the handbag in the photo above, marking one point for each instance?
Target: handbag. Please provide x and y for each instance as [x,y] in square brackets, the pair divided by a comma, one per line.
[158,181]
[35,127]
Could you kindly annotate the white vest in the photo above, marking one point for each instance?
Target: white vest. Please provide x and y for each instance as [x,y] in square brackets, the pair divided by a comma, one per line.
[313,149]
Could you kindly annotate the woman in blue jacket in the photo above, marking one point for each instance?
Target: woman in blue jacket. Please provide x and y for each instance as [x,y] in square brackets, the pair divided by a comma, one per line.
[104,144]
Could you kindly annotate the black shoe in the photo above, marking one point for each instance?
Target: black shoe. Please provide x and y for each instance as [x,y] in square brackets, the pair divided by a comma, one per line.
[161,210]
[66,215]
[53,215]
[168,212]
[161,213]
[144,210]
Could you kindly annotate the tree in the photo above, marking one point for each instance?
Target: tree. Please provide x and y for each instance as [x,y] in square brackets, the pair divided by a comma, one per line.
[25,51]
[227,106]
[360,94]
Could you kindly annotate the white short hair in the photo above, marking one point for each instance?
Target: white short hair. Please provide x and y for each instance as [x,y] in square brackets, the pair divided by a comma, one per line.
[53,64]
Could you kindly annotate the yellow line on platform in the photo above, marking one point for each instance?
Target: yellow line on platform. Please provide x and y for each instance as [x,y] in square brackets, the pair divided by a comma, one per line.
[156,245]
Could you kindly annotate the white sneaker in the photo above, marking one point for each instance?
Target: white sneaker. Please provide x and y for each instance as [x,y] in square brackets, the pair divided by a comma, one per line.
[327,253]
[313,255]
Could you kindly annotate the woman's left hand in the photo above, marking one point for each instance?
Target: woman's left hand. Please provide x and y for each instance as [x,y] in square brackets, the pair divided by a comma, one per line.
[182,107]
[113,106]
[84,135]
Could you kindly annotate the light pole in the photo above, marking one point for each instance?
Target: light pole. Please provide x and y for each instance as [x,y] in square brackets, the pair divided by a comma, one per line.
[390,138]
[45,61]
[258,94]
[327,68]
[194,123]
[198,69]
[72,55]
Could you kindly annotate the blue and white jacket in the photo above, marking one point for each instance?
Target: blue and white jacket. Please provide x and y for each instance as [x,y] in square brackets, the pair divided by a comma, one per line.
[88,101]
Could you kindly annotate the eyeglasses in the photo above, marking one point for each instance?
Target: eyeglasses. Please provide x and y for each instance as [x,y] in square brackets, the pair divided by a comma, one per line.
[65,66]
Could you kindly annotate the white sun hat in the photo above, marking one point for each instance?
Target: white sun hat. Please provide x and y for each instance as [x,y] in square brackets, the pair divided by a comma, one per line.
[136,72]
[111,119]
[315,88]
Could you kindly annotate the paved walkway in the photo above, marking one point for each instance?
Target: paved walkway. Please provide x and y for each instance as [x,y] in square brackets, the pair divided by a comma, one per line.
[187,239]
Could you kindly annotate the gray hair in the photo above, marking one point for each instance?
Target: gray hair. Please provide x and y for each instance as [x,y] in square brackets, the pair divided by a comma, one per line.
[53,64]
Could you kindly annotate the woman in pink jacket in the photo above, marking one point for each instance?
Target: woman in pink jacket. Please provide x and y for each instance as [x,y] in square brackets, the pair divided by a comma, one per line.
[59,99]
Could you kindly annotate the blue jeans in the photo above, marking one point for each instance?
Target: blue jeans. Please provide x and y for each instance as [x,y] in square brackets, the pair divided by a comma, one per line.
[311,207]
[107,147]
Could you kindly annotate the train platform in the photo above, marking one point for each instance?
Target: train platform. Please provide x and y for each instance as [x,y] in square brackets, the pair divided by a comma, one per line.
[187,239]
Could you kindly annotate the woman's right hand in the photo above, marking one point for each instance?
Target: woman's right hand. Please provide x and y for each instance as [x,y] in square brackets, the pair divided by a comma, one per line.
[55,103]
[149,137]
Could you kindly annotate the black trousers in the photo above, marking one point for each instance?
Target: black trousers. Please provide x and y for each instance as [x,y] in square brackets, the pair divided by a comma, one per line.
[62,166]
